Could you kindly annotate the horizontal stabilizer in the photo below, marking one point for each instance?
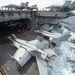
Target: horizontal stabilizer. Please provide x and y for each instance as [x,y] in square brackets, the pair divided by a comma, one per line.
[42,66]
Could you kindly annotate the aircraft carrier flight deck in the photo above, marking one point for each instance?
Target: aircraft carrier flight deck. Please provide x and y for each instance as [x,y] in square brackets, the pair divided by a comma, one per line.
[45,34]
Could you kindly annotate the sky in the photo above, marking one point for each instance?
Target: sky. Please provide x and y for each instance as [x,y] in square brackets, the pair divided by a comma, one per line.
[40,3]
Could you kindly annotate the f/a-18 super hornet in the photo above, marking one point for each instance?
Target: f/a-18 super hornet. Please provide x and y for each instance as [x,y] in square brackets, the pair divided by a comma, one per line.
[55,37]
[38,48]
[67,6]
[21,6]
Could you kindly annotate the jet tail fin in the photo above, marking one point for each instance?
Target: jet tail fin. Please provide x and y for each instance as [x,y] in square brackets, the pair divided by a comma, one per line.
[12,38]
[24,4]
[33,6]
[67,3]
[72,6]
[21,56]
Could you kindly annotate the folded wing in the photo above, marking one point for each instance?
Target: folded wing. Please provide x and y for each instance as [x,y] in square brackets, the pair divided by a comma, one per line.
[21,56]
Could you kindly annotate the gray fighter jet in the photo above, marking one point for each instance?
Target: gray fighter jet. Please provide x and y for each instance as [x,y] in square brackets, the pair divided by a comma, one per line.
[37,48]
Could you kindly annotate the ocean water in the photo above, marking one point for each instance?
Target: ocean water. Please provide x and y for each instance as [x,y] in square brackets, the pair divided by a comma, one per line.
[64,63]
